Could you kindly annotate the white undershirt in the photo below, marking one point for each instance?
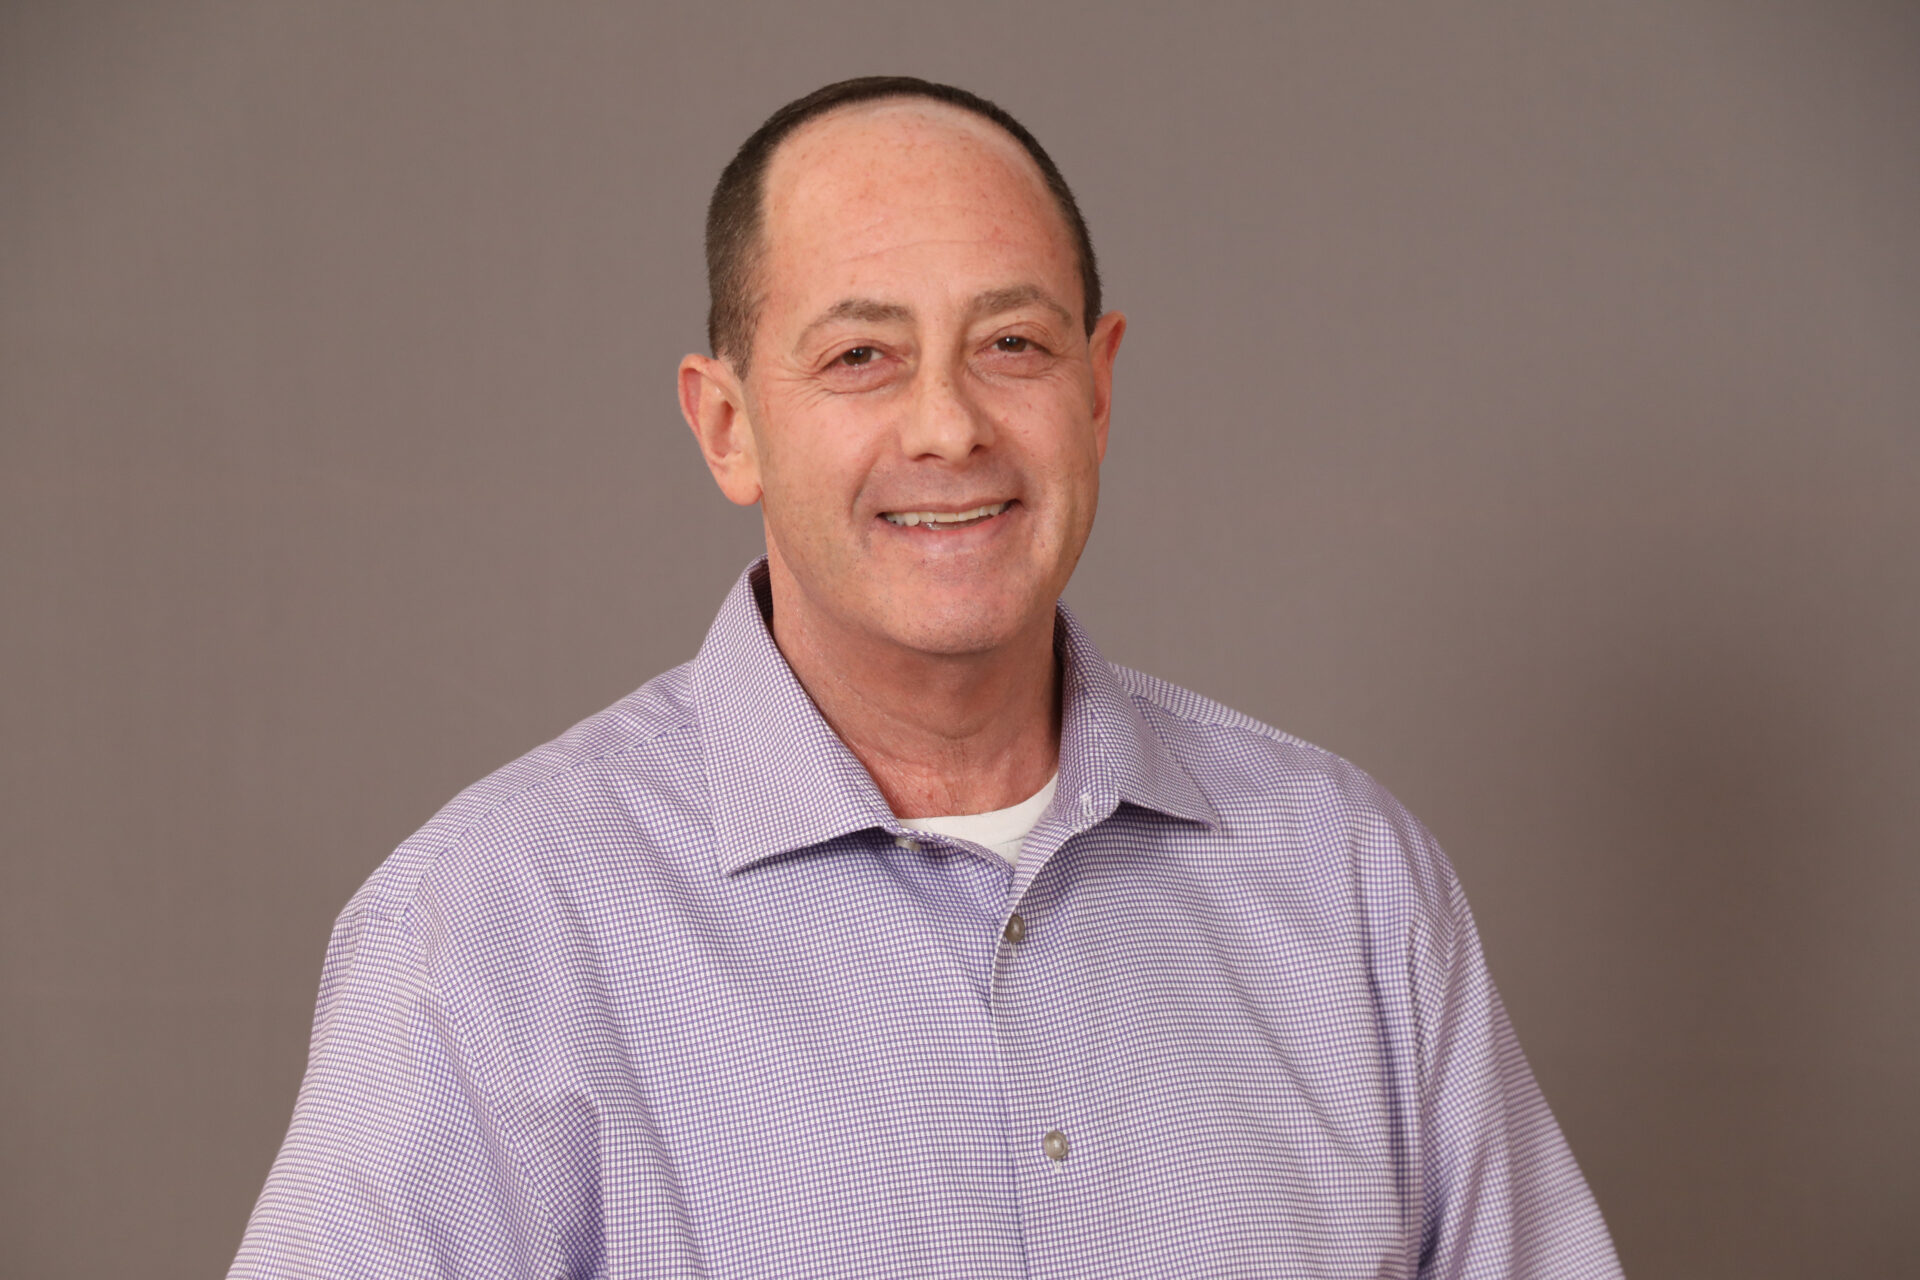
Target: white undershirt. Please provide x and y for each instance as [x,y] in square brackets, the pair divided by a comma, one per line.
[1003,830]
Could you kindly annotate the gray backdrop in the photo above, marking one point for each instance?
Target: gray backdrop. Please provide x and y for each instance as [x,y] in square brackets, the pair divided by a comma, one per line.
[1520,400]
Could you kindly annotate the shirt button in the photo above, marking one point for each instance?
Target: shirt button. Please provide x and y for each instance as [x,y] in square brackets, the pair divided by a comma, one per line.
[1016,931]
[908,843]
[1055,1145]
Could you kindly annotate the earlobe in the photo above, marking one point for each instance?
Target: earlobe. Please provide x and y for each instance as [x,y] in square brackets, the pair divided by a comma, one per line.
[713,403]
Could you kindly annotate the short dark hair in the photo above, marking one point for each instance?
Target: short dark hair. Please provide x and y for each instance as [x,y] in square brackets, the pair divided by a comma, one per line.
[736,212]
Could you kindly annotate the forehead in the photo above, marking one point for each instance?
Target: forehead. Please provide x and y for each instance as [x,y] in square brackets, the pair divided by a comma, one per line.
[896,170]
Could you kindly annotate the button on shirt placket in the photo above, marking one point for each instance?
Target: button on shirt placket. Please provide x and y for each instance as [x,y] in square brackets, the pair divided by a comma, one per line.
[1043,1140]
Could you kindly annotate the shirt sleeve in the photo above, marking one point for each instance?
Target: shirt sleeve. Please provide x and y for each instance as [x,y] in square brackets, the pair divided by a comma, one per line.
[395,1165]
[1503,1196]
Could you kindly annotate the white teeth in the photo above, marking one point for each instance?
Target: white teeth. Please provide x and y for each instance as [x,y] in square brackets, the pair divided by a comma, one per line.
[908,519]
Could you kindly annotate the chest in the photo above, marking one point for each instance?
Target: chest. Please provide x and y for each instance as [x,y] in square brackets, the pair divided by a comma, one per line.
[853,1063]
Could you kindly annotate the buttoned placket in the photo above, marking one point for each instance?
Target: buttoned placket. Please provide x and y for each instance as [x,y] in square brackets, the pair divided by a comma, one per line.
[1040,1140]
[1047,1151]
[1049,1154]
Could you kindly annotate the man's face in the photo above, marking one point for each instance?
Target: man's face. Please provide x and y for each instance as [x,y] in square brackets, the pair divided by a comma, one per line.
[920,356]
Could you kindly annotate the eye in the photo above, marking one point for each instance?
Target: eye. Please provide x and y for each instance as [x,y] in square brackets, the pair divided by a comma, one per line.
[1012,343]
[857,356]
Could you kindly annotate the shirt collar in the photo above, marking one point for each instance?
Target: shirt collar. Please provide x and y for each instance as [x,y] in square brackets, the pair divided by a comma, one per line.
[782,781]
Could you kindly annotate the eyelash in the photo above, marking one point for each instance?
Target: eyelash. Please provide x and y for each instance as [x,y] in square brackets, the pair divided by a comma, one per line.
[871,354]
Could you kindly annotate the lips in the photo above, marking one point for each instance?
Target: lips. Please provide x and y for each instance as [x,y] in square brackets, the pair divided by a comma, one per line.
[941,520]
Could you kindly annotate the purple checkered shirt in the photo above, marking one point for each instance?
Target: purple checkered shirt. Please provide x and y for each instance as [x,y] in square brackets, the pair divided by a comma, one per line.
[677,995]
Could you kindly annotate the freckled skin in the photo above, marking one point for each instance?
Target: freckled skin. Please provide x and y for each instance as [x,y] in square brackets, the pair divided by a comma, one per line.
[919,347]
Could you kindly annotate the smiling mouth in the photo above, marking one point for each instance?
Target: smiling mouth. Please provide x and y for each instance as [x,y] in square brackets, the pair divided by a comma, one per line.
[945,519]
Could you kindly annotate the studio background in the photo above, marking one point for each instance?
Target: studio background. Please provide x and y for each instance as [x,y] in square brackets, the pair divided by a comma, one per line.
[1520,400]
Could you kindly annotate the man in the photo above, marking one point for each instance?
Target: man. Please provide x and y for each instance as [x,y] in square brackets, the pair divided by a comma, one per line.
[718,984]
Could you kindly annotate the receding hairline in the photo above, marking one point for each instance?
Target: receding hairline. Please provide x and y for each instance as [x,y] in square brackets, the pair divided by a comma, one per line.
[736,213]
[961,118]
[965,122]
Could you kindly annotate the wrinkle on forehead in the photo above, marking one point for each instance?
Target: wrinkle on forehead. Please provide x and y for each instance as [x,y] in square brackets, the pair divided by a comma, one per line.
[862,202]
[991,302]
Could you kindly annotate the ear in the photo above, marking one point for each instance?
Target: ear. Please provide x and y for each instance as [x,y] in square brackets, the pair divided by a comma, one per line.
[713,401]
[1102,346]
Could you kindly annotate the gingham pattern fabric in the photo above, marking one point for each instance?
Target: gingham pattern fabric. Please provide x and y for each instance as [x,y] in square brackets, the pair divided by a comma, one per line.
[1002,830]
[666,998]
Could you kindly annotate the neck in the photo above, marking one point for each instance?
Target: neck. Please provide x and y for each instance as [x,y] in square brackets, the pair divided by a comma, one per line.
[939,733]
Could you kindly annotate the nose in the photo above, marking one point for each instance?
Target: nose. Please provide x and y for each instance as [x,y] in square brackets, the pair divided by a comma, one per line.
[944,420]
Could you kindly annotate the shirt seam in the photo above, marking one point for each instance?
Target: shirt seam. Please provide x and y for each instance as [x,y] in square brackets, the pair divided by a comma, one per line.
[1227,719]
[403,898]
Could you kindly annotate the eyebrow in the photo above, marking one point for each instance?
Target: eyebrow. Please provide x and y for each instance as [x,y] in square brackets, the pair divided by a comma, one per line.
[990,303]
[995,301]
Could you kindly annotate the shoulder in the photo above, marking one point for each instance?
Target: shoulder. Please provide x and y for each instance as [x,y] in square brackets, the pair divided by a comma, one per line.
[1275,790]
[597,781]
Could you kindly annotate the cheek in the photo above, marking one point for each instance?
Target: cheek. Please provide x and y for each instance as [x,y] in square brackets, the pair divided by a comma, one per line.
[812,471]
[1053,428]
